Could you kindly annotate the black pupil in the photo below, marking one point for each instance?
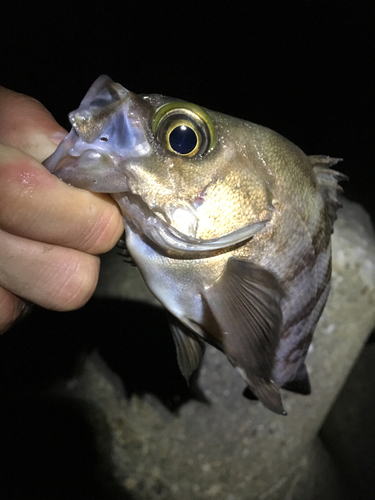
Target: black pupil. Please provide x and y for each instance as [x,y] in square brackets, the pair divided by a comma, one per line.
[182,139]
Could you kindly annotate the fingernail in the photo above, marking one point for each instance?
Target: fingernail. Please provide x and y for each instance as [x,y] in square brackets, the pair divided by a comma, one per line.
[41,146]
[57,137]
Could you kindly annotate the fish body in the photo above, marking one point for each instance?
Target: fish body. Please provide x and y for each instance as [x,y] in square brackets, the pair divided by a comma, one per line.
[229,223]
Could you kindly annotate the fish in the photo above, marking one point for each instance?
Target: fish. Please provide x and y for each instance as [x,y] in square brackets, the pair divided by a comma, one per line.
[228,222]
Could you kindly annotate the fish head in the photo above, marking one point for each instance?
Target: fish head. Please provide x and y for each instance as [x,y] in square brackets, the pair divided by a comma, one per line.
[175,169]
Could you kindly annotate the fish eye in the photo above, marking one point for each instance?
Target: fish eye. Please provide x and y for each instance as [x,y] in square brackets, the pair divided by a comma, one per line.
[184,129]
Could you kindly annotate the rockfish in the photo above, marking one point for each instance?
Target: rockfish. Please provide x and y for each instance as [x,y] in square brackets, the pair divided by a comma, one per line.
[228,222]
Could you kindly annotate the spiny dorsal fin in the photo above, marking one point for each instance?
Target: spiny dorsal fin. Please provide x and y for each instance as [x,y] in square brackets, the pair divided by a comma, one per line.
[246,305]
[328,181]
[189,347]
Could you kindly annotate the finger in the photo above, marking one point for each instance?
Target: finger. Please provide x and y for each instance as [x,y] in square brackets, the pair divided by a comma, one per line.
[27,125]
[11,307]
[35,204]
[51,276]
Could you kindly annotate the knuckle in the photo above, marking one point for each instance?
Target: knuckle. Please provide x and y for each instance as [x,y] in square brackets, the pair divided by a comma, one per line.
[104,231]
[74,283]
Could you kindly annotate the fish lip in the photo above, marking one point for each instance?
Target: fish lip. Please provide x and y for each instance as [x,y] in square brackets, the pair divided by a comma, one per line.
[63,168]
[66,161]
[85,170]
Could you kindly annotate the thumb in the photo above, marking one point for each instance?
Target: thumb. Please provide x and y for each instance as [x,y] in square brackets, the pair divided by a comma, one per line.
[27,125]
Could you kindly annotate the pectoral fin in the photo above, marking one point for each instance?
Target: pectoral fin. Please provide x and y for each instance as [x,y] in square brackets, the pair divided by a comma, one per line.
[189,347]
[246,305]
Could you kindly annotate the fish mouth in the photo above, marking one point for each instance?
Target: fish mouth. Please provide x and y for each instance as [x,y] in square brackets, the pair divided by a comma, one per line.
[85,171]
[161,232]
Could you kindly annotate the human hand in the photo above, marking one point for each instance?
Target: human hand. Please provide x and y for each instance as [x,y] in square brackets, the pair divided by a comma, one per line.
[50,233]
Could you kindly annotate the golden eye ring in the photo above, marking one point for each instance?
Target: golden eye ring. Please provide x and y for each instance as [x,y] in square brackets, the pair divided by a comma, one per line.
[184,128]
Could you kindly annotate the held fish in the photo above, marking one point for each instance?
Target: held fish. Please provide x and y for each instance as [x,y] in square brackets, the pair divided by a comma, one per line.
[229,223]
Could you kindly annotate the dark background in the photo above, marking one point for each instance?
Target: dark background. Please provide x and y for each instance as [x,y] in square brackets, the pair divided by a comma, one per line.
[303,68]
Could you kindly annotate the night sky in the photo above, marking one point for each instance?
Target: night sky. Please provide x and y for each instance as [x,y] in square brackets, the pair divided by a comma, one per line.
[302,68]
